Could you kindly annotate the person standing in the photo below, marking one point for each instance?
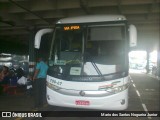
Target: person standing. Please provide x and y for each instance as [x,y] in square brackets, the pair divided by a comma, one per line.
[39,83]
[4,73]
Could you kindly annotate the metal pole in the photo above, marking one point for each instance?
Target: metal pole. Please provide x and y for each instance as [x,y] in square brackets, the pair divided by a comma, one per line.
[31,51]
[147,66]
[158,61]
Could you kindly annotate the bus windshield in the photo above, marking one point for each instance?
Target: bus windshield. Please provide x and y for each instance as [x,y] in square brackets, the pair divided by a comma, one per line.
[90,50]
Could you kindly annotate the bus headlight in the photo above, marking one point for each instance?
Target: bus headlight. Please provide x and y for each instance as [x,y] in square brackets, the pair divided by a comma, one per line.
[52,86]
[120,88]
[114,90]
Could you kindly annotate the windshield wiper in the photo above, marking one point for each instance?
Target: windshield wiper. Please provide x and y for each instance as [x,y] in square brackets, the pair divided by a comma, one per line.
[94,64]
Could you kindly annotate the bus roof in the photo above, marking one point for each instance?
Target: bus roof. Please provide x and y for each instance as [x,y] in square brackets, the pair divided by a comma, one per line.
[91,18]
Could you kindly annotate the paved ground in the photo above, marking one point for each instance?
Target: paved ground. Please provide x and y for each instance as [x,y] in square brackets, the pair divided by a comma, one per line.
[144,95]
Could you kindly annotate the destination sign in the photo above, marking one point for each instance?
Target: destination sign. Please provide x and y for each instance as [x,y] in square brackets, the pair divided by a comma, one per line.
[75,27]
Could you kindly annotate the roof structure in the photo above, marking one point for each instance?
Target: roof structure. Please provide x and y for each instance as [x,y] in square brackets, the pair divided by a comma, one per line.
[19,17]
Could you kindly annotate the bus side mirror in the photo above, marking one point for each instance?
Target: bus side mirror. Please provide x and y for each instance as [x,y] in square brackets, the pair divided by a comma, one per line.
[132,36]
[39,35]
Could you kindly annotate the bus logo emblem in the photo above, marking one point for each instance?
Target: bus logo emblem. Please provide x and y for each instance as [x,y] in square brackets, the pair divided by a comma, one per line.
[82,93]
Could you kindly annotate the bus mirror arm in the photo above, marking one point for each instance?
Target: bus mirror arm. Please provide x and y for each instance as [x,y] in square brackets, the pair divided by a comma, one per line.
[39,35]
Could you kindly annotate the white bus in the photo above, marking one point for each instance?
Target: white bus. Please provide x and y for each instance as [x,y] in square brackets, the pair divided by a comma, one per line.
[88,62]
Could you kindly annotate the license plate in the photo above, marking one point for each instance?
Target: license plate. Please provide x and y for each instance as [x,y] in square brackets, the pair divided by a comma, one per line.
[82,102]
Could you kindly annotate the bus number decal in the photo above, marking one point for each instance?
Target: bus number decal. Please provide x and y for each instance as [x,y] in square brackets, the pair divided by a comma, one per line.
[55,82]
